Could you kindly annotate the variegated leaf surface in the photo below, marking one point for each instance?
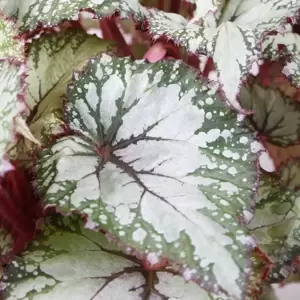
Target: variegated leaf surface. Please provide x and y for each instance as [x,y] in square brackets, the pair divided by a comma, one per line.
[53,12]
[9,45]
[51,61]
[291,42]
[5,243]
[234,45]
[11,88]
[265,15]
[154,160]
[289,174]
[274,115]
[276,225]
[67,261]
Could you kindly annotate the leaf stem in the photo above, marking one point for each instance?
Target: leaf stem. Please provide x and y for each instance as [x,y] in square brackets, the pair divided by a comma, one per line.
[112,32]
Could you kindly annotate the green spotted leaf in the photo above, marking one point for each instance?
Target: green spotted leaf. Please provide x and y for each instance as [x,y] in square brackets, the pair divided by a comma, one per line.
[289,174]
[154,160]
[234,45]
[6,243]
[9,45]
[274,115]
[203,7]
[11,87]
[51,61]
[53,12]
[276,224]
[69,262]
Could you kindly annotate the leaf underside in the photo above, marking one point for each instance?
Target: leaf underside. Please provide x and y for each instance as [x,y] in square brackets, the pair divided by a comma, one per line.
[69,262]
[148,164]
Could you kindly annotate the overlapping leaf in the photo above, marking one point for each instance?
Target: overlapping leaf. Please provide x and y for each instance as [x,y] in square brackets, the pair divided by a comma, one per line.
[233,45]
[9,45]
[5,243]
[51,60]
[11,87]
[67,262]
[276,224]
[291,42]
[289,174]
[53,12]
[274,115]
[155,162]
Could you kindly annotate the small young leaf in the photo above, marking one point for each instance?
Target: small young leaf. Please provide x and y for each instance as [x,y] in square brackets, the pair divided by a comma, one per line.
[231,46]
[154,162]
[276,223]
[9,46]
[274,115]
[53,12]
[70,262]
[51,60]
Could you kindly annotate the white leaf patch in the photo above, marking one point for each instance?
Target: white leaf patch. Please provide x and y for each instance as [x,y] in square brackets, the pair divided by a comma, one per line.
[69,262]
[235,44]
[154,156]
[233,51]
[11,87]
[203,7]
[9,46]
[265,15]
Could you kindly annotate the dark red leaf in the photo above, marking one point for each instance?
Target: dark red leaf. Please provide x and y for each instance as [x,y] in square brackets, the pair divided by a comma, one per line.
[19,209]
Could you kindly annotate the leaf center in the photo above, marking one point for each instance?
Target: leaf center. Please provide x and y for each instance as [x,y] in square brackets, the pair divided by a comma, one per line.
[105,152]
